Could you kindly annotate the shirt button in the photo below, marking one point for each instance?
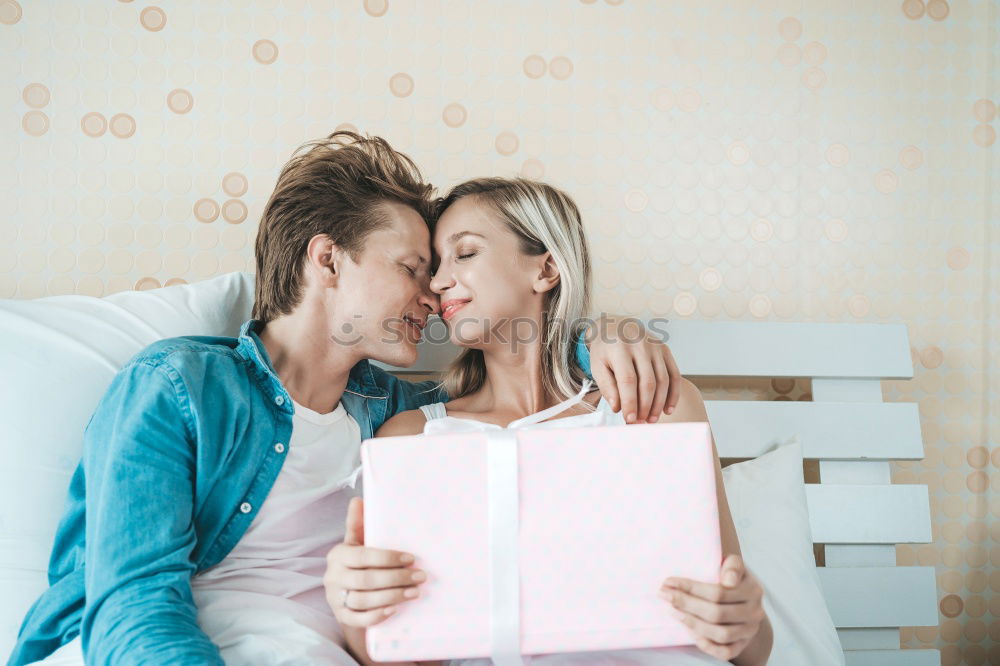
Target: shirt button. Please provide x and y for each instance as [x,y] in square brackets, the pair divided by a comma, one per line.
[279,447]
[279,400]
[245,507]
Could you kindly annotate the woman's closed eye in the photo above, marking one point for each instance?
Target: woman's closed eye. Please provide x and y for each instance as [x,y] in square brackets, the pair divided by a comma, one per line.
[458,257]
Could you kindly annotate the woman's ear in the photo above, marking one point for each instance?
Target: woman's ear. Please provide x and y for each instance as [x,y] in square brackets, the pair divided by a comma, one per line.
[323,259]
[548,274]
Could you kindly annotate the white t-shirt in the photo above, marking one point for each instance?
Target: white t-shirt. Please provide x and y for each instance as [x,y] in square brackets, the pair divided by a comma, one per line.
[265,602]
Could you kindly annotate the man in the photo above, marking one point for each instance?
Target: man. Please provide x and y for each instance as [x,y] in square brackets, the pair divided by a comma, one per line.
[168,551]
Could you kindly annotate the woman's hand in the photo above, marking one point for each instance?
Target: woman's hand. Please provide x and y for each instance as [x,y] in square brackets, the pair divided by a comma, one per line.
[377,579]
[635,371]
[723,618]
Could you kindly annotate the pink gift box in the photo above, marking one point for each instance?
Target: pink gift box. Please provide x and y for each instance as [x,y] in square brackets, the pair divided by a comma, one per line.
[541,541]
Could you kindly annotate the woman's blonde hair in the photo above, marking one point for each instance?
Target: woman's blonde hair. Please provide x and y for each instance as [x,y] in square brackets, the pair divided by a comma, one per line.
[544,219]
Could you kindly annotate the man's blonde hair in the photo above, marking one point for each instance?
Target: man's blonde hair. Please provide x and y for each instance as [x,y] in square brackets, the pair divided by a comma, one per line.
[335,186]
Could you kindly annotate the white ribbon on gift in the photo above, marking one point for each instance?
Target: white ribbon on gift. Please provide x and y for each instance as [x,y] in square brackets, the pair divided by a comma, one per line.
[504,500]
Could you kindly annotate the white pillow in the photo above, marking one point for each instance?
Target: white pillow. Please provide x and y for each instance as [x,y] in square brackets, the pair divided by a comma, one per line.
[767,499]
[58,356]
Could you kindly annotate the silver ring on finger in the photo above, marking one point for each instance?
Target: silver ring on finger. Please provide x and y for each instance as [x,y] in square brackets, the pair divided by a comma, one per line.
[343,599]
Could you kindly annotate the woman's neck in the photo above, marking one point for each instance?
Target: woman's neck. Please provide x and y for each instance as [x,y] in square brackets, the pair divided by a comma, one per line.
[513,387]
[513,381]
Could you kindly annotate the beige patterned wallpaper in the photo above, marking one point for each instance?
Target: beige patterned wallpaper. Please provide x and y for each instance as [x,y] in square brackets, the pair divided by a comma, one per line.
[778,160]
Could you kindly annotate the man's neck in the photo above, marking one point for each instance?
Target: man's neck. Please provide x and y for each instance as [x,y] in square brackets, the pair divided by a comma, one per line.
[312,369]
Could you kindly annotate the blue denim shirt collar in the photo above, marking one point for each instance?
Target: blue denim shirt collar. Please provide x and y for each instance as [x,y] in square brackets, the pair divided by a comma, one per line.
[360,381]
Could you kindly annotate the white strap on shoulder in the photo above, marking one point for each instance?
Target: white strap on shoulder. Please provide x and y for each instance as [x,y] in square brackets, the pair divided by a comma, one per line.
[434,411]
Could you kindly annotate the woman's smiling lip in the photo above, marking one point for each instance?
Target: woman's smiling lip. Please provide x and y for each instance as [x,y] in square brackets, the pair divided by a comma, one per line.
[448,308]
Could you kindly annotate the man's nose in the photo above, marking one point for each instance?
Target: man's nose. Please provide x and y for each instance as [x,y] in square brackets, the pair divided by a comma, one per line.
[430,301]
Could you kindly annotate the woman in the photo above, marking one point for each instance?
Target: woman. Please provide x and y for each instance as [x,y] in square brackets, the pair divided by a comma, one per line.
[512,258]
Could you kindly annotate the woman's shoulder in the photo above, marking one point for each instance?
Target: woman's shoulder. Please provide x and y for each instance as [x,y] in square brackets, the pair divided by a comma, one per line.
[690,404]
[410,422]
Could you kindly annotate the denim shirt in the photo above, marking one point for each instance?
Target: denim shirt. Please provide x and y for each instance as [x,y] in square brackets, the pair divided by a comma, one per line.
[178,457]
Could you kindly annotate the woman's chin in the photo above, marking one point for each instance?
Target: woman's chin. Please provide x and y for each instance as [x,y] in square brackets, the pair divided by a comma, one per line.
[467,344]
[468,333]
[462,341]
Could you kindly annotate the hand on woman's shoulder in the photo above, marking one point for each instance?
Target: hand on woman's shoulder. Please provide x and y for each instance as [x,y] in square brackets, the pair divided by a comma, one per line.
[410,422]
[690,405]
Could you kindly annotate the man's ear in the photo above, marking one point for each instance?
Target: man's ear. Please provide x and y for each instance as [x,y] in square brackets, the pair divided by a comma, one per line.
[548,274]
[323,259]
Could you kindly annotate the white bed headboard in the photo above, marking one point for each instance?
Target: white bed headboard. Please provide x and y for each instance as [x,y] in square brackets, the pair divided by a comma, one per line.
[856,512]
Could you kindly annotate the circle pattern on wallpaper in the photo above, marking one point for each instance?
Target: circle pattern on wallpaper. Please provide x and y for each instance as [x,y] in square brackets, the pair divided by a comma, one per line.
[401,84]
[36,95]
[454,115]
[911,157]
[153,19]
[376,7]
[938,9]
[180,100]
[790,29]
[814,53]
[10,12]
[959,258]
[94,124]
[234,211]
[838,155]
[984,135]
[507,143]
[984,110]
[814,78]
[264,51]
[561,68]
[122,125]
[146,283]
[206,210]
[35,123]
[235,184]
[836,230]
[913,9]
[535,66]
[886,181]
